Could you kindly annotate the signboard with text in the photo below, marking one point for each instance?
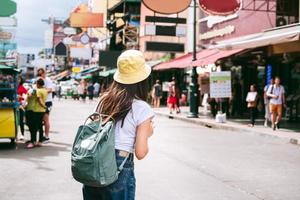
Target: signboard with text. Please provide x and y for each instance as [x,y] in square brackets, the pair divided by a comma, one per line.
[220,84]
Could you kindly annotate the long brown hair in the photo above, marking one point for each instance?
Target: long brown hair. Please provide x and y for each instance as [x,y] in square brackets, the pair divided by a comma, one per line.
[116,102]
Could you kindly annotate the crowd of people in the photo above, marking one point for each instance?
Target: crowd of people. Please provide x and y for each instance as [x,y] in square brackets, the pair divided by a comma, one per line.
[88,89]
[175,98]
[35,106]
[273,99]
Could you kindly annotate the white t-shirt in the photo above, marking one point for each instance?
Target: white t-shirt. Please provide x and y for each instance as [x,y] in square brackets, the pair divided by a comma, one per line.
[125,136]
[278,91]
[96,87]
[49,84]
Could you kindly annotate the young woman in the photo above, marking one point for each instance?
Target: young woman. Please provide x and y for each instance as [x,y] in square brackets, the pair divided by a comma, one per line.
[39,110]
[125,102]
[252,99]
[21,92]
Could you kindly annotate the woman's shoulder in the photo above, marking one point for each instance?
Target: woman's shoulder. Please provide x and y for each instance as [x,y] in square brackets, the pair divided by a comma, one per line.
[137,103]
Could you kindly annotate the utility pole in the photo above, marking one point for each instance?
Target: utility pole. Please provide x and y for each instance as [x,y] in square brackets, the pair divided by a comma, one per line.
[194,87]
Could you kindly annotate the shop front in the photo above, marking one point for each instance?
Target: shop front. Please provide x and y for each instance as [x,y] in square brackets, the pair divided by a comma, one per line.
[274,52]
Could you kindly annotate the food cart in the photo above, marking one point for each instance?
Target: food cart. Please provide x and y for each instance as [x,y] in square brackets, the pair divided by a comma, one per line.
[8,102]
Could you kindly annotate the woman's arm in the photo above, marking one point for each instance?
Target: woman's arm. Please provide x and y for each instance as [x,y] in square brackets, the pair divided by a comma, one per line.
[40,102]
[144,131]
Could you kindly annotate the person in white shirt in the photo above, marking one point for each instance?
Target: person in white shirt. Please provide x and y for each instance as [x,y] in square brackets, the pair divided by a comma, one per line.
[50,88]
[125,102]
[276,93]
[267,103]
[96,89]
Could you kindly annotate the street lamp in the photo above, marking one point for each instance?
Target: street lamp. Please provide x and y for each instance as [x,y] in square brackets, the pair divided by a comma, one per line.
[194,92]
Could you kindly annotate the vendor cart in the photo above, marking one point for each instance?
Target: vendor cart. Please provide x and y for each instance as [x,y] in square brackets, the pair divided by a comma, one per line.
[8,102]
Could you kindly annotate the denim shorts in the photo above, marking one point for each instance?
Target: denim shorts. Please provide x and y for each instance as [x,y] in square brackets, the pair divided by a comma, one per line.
[122,189]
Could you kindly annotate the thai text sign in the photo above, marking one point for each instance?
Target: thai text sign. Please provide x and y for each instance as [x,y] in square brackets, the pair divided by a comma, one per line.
[220,84]
[217,33]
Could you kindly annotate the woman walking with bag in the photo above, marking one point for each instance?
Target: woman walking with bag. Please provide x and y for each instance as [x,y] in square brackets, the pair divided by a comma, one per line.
[252,98]
[125,102]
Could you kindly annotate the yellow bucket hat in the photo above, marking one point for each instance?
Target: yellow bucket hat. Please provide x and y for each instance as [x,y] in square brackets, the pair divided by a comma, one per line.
[132,68]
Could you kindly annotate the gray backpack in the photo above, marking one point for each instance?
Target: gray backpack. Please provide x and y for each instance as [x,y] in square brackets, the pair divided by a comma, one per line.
[93,153]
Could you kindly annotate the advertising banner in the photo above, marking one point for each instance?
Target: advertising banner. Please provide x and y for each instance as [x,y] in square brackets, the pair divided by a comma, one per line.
[82,53]
[220,84]
[86,20]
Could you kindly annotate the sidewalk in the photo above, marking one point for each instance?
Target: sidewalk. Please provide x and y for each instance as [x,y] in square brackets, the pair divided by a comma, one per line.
[291,135]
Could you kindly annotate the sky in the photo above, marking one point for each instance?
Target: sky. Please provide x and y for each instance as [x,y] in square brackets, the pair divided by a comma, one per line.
[30,29]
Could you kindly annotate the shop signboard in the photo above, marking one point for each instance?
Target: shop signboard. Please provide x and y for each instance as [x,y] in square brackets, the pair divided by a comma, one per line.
[86,20]
[81,53]
[5,46]
[220,84]
[6,35]
[70,31]
[168,6]
[7,8]
[217,33]
[217,7]
[8,21]
[61,49]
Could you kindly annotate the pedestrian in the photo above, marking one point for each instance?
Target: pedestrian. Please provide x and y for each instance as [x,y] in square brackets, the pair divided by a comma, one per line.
[213,106]
[90,91]
[252,99]
[267,103]
[96,89]
[22,103]
[39,110]
[125,102]
[49,86]
[157,94]
[82,90]
[276,93]
[173,100]
[236,98]
[31,101]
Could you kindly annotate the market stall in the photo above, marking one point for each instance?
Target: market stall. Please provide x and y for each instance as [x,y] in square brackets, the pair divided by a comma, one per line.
[8,102]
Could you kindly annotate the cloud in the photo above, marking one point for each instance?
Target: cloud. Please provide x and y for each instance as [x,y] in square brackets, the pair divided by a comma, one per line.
[30,30]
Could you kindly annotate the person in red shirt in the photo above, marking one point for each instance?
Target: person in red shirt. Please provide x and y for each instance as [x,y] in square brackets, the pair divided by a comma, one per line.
[21,92]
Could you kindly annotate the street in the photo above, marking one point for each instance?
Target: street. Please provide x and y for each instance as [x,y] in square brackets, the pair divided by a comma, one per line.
[186,161]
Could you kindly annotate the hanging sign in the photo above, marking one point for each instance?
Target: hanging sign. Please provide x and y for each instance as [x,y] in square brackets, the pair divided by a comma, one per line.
[61,49]
[217,7]
[84,39]
[7,8]
[86,20]
[70,31]
[168,6]
[8,21]
[7,34]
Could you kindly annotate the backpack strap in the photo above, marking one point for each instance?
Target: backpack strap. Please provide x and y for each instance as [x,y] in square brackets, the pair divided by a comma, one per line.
[123,163]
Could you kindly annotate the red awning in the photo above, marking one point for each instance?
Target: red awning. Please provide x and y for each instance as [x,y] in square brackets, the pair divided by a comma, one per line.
[216,56]
[205,57]
[177,63]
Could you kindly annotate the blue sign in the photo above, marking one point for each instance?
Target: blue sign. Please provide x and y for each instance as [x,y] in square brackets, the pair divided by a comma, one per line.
[7,46]
[269,74]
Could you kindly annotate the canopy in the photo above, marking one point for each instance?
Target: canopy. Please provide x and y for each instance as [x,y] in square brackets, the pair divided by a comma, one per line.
[9,68]
[216,56]
[277,35]
[61,75]
[205,57]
